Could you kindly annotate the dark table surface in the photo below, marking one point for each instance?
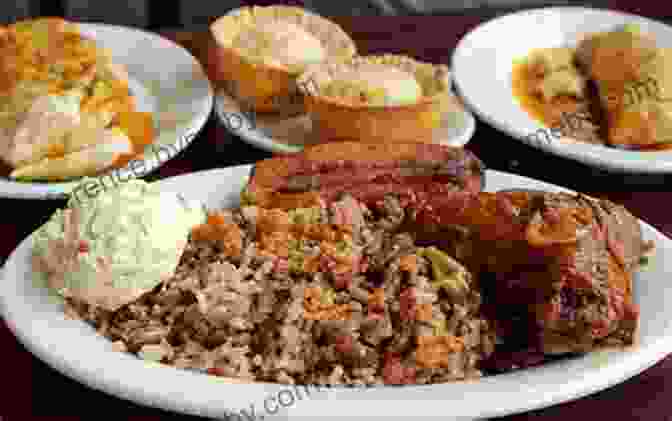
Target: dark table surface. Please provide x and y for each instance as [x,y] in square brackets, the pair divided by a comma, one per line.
[34,390]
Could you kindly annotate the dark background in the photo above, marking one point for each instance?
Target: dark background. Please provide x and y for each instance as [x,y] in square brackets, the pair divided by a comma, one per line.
[196,14]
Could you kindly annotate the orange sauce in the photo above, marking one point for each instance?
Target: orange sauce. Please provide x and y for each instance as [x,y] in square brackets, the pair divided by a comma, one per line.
[139,127]
[524,81]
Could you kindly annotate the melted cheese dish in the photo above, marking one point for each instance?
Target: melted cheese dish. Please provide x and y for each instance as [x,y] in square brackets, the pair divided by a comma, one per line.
[280,43]
[374,84]
[62,102]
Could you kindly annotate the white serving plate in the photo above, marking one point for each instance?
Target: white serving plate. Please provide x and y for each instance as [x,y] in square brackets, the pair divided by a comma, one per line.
[73,348]
[483,60]
[166,80]
[291,135]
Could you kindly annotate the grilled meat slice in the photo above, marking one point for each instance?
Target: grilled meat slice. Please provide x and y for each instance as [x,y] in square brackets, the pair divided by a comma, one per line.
[366,171]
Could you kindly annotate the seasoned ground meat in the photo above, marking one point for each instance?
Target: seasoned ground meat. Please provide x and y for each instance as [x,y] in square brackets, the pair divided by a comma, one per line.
[350,299]
[346,293]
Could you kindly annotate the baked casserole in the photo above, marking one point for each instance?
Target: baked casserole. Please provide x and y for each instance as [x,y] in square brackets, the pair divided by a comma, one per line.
[377,98]
[262,50]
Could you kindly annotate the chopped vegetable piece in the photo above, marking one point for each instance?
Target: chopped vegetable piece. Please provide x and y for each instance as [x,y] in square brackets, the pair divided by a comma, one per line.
[448,273]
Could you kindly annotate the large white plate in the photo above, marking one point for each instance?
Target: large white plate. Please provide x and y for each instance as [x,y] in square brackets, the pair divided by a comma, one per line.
[74,349]
[166,81]
[482,65]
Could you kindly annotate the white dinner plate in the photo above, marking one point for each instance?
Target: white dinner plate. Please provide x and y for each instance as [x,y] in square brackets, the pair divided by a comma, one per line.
[291,135]
[483,60]
[73,348]
[166,80]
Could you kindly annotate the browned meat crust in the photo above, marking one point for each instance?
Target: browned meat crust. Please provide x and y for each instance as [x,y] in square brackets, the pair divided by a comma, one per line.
[567,258]
[367,171]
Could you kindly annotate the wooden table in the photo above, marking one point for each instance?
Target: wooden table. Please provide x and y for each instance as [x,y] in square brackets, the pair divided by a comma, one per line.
[35,390]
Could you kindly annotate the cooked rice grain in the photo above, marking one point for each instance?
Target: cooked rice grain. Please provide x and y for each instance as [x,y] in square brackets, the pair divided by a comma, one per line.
[242,317]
